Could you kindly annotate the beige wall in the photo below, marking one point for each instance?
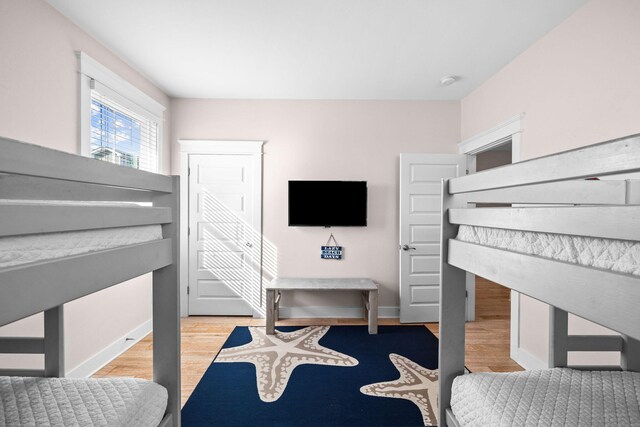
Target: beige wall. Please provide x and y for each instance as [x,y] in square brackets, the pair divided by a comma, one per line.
[333,140]
[578,85]
[39,104]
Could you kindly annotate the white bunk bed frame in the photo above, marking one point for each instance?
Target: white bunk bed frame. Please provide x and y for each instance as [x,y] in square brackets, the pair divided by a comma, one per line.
[37,173]
[610,209]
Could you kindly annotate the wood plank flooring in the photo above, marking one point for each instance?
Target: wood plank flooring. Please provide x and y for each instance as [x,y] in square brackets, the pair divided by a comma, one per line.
[487,341]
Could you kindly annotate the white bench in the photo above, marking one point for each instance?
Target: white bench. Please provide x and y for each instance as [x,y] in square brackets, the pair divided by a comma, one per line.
[368,288]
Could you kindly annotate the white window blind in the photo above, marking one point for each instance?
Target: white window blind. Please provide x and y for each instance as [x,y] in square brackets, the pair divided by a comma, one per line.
[119,123]
[120,135]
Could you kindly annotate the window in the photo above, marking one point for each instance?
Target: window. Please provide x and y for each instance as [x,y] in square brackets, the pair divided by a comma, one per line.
[119,135]
[119,123]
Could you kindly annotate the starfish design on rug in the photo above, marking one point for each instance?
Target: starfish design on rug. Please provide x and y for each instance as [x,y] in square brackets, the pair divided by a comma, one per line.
[276,356]
[416,383]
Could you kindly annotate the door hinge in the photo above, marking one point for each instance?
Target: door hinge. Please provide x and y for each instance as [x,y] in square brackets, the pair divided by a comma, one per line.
[188,290]
[188,231]
[466,294]
[467,172]
[189,172]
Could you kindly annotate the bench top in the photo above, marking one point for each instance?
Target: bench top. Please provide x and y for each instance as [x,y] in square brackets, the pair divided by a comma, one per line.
[340,284]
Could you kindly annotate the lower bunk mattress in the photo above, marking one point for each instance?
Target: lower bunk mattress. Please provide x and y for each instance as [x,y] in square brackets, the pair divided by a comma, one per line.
[549,397]
[26,401]
[621,256]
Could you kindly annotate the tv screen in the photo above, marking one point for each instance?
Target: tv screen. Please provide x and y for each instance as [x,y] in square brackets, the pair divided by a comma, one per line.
[328,203]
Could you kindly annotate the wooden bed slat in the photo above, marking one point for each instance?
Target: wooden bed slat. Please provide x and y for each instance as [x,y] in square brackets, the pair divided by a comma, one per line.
[30,219]
[22,372]
[22,345]
[21,187]
[594,343]
[568,193]
[618,156]
[33,160]
[570,287]
[614,222]
[596,367]
[40,286]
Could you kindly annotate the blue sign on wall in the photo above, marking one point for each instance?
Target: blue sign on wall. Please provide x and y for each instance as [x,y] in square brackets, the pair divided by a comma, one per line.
[331,252]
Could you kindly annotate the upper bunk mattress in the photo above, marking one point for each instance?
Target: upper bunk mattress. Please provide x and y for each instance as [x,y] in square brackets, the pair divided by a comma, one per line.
[17,250]
[550,397]
[80,402]
[622,256]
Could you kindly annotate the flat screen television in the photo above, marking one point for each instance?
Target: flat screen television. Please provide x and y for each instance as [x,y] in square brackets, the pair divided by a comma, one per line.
[328,203]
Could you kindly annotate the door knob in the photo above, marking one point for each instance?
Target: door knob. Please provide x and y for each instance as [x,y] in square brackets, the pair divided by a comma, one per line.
[407,247]
[248,244]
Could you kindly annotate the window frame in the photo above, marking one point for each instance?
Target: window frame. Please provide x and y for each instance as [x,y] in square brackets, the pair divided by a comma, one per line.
[120,91]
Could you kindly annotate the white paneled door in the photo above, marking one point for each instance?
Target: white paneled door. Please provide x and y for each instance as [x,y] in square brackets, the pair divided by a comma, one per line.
[225,236]
[420,217]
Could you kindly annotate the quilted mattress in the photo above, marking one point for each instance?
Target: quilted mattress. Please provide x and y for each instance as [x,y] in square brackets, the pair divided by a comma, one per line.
[550,397]
[17,250]
[80,402]
[622,256]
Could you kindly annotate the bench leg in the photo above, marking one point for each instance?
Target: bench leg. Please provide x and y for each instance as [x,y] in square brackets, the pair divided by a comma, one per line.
[271,312]
[365,301]
[373,312]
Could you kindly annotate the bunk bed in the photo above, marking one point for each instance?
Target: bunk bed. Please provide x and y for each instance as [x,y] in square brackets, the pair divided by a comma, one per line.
[592,270]
[71,226]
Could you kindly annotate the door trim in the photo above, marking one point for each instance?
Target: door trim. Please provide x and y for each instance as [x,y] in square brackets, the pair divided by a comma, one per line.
[188,147]
[497,135]
[509,130]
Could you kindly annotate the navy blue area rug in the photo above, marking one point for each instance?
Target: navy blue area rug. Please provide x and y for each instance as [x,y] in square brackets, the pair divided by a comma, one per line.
[319,376]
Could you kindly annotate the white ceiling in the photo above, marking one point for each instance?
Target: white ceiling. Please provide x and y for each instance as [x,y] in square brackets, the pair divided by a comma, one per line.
[317,49]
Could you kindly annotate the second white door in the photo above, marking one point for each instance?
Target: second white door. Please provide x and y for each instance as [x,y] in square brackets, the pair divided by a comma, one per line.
[420,218]
[225,235]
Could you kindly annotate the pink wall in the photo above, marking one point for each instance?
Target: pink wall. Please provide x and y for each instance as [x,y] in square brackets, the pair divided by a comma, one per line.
[39,104]
[578,85]
[342,140]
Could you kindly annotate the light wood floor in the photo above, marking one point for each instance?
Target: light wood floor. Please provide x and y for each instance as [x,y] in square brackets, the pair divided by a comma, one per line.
[487,340]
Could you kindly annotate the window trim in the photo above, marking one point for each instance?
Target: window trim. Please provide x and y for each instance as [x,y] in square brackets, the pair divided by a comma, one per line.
[125,92]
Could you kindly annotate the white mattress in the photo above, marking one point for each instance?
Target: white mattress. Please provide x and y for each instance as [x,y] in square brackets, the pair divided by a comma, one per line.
[622,256]
[80,402]
[17,250]
[551,397]
[40,247]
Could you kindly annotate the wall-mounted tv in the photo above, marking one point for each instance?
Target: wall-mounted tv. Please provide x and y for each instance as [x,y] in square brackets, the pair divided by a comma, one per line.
[328,203]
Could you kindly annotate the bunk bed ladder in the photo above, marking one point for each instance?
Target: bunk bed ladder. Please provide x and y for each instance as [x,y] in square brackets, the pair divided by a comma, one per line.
[560,343]
[51,345]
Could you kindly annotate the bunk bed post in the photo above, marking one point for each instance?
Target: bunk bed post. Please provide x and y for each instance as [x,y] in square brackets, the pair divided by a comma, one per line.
[54,342]
[452,311]
[558,337]
[166,310]
[630,354]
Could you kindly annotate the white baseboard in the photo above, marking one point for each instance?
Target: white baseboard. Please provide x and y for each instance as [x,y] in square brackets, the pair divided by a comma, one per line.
[337,312]
[527,360]
[113,350]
